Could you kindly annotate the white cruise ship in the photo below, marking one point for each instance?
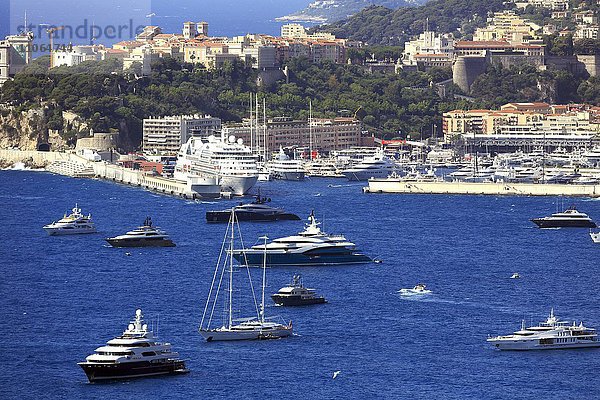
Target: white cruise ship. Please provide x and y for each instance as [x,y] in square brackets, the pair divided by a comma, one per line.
[284,168]
[377,166]
[228,160]
[551,334]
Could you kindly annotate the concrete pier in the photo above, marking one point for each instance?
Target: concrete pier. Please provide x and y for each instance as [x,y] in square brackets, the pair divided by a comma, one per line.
[71,164]
[476,188]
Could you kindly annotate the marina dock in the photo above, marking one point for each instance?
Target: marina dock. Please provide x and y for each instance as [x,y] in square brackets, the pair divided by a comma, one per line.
[477,188]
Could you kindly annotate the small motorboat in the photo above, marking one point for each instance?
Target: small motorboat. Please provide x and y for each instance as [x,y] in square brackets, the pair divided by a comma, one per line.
[595,236]
[419,289]
[515,276]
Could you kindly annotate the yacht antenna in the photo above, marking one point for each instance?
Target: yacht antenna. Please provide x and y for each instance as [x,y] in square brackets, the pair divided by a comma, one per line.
[157,323]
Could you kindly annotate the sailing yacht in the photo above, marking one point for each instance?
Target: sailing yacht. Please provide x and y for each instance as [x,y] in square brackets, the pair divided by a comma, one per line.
[251,328]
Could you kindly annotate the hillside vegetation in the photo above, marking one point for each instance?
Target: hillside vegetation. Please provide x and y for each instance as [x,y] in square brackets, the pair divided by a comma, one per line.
[384,26]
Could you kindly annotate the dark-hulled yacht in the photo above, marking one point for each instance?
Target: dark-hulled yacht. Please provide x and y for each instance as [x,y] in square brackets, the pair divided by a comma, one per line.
[295,294]
[134,354]
[311,247]
[143,236]
[258,210]
[570,218]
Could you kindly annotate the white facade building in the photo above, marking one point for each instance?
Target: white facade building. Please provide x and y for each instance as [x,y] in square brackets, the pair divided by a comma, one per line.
[76,55]
[431,43]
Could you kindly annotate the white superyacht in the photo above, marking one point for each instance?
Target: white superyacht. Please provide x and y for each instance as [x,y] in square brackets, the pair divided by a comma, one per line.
[551,334]
[377,166]
[72,224]
[284,168]
[228,160]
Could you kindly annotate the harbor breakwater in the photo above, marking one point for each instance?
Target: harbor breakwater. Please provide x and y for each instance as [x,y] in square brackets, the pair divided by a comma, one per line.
[480,188]
[71,164]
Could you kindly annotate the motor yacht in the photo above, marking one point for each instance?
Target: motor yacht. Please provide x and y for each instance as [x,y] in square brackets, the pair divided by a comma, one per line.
[72,224]
[377,166]
[551,334]
[418,289]
[309,247]
[134,354]
[295,294]
[570,218]
[143,236]
[284,168]
[258,210]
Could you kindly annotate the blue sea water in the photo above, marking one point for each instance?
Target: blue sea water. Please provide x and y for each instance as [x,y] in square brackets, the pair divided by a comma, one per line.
[61,297]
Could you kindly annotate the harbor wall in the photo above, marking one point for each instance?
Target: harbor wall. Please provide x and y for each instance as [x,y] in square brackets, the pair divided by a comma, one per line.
[473,188]
[101,170]
[36,158]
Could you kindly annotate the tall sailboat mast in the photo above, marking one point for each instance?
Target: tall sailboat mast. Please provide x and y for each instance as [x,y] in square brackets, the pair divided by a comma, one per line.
[251,123]
[231,268]
[265,126]
[264,280]
[310,130]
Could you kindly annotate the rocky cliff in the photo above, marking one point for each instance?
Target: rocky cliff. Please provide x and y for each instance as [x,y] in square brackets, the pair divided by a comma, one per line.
[28,130]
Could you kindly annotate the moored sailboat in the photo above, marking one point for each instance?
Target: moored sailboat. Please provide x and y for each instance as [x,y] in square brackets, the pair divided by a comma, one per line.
[251,328]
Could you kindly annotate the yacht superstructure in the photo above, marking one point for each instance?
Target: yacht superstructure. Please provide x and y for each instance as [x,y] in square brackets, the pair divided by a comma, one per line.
[551,334]
[228,160]
[134,354]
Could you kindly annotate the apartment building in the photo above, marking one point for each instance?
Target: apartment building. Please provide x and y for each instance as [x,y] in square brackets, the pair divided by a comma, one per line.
[324,134]
[165,135]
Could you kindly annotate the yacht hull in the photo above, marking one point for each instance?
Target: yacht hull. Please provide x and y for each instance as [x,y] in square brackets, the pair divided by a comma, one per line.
[223,216]
[217,335]
[366,174]
[288,176]
[105,371]
[255,257]
[142,242]
[238,185]
[62,231]
[546,223]
[296,300]
[521,345]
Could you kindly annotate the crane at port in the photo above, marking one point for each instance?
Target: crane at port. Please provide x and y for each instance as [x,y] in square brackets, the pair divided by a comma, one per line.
[50,31]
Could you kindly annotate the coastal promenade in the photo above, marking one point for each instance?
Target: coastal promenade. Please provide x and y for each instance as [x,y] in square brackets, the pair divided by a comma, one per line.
[477,188]
[71,164]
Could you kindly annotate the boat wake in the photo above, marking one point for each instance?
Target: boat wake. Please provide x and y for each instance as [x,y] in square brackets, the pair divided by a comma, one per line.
[414,293]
